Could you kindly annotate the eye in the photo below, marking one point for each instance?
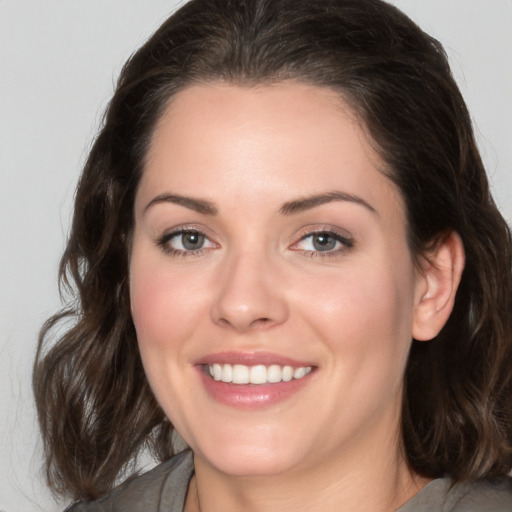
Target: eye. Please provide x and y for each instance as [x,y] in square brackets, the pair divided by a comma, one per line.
[327,242]
[185,241]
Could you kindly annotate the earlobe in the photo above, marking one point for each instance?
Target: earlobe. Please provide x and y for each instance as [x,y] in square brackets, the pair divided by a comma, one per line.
[437,286]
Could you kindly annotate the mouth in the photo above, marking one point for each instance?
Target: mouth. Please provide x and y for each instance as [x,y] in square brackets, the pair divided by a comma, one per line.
[253,380]
[257,374]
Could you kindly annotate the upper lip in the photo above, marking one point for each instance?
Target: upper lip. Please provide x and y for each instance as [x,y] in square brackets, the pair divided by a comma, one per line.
[251,359]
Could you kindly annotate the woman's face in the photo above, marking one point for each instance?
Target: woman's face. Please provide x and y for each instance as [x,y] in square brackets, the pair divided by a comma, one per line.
[270,250]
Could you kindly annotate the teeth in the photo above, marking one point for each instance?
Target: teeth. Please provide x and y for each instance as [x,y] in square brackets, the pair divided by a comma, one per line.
[298,373]
[240,373]
[259,374]
[287,373]
[216,371]
[274,373]
[227,373]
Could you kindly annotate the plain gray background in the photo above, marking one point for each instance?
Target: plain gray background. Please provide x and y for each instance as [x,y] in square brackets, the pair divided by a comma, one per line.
[58,62]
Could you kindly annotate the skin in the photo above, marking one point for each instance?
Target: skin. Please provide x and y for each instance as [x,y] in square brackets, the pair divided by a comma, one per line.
[259,283]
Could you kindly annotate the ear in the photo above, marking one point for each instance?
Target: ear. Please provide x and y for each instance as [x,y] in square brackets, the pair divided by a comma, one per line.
[436,286]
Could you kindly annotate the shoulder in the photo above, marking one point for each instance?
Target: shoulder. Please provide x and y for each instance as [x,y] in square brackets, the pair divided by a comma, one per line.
[484,496]
[162,488]
[442,495]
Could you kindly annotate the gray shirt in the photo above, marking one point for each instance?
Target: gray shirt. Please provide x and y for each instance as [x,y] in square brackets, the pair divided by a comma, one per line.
[164,489]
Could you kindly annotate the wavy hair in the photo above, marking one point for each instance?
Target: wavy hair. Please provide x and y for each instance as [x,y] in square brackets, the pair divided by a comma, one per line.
[95,407]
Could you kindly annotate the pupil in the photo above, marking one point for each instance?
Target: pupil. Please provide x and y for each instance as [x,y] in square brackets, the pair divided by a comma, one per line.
[192,241]
[323,242]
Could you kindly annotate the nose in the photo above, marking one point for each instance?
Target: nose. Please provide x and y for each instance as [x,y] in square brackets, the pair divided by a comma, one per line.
[249,295]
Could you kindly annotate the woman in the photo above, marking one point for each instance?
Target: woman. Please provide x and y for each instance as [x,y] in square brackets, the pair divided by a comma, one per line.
[284,247]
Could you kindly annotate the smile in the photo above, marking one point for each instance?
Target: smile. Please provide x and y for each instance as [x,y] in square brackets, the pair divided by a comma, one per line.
[258,374]
[253,380]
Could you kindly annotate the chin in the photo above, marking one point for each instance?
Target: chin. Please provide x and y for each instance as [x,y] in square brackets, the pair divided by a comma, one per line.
[249,463]
[255,455]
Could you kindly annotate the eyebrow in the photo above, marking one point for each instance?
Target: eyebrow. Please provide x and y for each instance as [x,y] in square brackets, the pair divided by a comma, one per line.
[198,205]
[300,205]
[289,208]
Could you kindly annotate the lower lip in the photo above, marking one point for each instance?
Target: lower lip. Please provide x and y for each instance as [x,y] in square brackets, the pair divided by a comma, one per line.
[251,396]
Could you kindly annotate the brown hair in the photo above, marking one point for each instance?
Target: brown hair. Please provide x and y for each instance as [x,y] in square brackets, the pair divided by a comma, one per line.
[96,409]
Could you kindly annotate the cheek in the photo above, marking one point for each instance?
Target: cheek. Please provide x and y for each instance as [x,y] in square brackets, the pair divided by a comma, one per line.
[364,314]
[164,305]
[165,311]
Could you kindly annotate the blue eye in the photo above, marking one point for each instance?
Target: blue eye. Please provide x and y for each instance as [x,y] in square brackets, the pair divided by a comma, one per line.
[323,242]
[188,241]
[185,241]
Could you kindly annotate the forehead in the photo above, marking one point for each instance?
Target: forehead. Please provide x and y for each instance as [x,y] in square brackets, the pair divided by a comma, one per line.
[272,140]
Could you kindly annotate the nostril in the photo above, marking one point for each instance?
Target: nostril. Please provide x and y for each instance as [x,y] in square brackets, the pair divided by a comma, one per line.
[261,321]
[242,305]
[257,322]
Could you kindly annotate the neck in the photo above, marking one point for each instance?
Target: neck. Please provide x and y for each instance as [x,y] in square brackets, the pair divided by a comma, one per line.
[379,482]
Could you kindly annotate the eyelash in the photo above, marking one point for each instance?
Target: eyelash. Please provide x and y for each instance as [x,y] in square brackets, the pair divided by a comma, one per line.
[346,243]
[164,242]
